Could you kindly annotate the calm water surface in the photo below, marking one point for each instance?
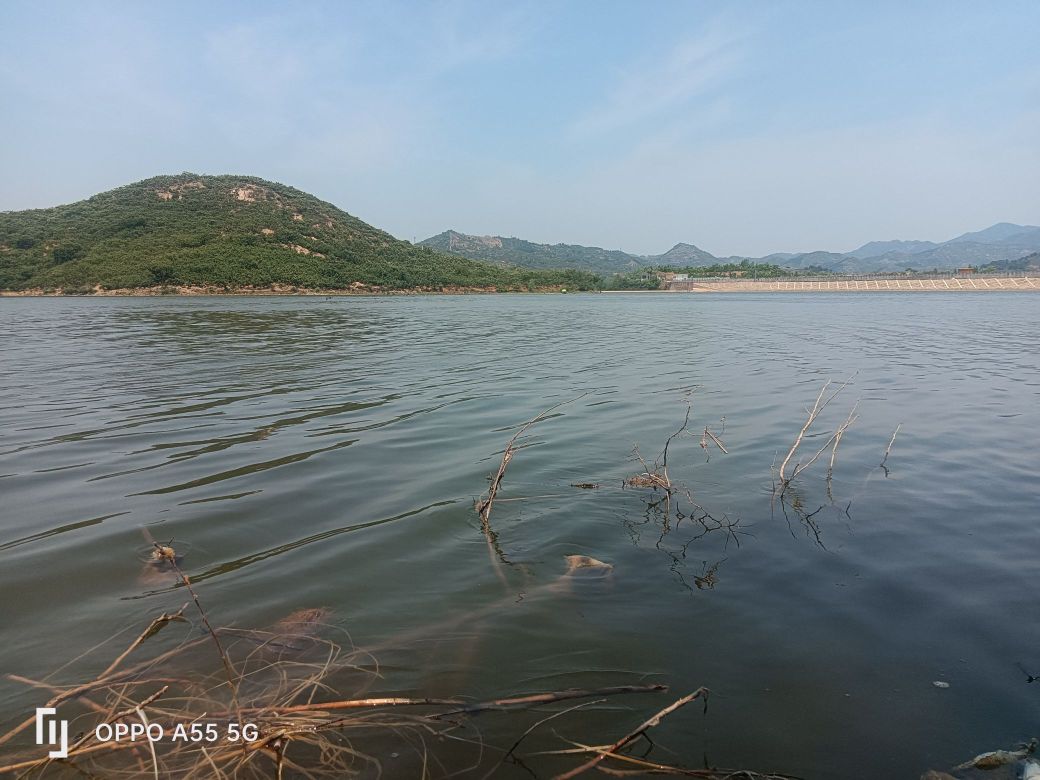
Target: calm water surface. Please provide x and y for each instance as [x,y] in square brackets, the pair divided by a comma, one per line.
[305,453]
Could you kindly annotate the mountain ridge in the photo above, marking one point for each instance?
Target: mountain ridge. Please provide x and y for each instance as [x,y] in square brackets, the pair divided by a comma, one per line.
[1002,242]
[511,251]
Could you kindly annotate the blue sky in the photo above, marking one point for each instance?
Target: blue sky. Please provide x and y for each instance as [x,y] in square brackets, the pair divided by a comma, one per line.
[744,128]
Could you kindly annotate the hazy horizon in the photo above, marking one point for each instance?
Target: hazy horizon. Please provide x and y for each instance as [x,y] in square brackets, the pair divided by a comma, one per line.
[745,130]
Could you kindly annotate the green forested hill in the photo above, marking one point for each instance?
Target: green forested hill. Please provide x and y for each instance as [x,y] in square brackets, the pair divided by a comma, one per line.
[231,232]
[526,254]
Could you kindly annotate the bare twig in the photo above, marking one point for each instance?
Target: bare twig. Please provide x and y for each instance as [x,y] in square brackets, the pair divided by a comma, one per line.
[833,440]
[78,747]
[888,449]
[813,414]
[700,693]
[714,438]
[153,628]
[821,403]
[535,725]
[653,767]
[167,554]
[151,745]
[461,706]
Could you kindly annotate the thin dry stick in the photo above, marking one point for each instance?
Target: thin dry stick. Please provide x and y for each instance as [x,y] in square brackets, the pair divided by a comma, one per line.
[700,693]
[151,745]
[715,439]
[78,749]
[813,414]
[817,408]
[799,468]
[90,703]
[464,707]
[78,690]
[658,475]
[533,726]
[664,769]
[167,553]
[664,453]
[34,762]
[888,449]
[837,440]
[154,627]
[218,773]
[553,696]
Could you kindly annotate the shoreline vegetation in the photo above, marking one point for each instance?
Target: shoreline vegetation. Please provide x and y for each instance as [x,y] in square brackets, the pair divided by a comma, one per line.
[700,286]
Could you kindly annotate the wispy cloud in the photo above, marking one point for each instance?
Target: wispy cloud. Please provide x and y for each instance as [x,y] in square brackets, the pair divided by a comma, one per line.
[660,85]
[463,33]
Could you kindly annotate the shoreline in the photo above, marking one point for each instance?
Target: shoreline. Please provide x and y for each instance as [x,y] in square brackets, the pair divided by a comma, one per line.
[952,284]
[275,290]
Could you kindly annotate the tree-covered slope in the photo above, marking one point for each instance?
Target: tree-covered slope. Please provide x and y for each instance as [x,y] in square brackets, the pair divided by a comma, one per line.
[686,255]
[527,254]
[1030,264]
[227,231]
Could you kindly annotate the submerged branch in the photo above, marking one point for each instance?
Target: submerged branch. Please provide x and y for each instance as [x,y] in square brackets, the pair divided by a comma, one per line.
[485,505]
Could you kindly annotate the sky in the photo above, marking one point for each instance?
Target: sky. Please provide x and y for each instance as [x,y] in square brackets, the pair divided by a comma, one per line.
[743,128]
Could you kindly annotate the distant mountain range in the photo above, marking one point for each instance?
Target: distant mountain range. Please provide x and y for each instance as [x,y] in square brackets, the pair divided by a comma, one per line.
[1001,243]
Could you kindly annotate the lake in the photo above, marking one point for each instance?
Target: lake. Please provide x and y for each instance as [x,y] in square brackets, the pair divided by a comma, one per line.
[304,453]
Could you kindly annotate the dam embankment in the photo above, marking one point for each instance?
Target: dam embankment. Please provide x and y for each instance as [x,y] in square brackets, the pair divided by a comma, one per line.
[941,284]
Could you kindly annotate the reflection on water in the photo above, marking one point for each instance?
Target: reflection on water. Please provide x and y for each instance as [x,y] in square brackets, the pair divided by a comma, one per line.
[313,454]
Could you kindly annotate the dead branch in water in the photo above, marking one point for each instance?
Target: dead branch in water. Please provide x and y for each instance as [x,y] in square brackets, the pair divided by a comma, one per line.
[656,476]
[821,403]
[700,693]
[153,628]
[834,447]
[715,439]
[283,712]
[461,706]
[888,449]
[837,438]
[647,767]
[509,755]
[485,505]
[167,554]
